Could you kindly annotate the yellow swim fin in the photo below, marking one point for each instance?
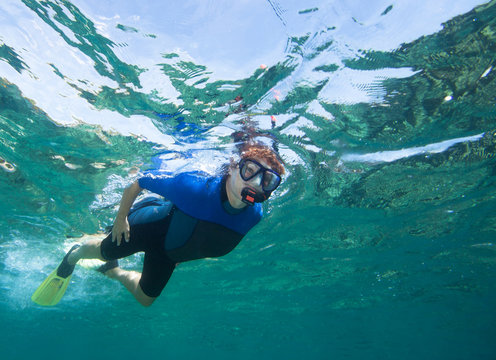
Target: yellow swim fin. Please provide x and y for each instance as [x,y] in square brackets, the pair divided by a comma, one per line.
[53,288]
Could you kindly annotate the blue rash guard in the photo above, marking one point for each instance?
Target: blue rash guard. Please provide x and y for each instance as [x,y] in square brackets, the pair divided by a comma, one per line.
[196,222]
[201,197]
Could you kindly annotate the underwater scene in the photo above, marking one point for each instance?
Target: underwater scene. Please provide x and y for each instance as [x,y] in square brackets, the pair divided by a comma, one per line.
[380,242]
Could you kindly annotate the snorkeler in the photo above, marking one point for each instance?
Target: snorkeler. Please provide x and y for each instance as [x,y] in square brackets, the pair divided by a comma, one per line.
[202,216]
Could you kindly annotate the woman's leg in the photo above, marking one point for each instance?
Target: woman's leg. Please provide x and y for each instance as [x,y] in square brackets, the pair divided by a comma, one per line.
[157,270]
[88,250]
[130,279]
[146,236]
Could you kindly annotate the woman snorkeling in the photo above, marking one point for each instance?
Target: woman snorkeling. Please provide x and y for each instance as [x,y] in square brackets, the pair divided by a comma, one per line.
[199,216]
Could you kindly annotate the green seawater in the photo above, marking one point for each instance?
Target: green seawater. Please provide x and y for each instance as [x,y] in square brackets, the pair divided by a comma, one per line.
[379,244]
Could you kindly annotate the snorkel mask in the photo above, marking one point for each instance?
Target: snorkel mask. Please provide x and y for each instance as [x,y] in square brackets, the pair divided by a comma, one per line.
[269,181]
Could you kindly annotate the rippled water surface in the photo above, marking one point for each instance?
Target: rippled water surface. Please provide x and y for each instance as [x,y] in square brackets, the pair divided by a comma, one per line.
[378,245]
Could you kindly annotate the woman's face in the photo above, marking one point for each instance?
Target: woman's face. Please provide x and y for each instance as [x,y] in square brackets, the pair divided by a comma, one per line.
[254,183]
[242,192]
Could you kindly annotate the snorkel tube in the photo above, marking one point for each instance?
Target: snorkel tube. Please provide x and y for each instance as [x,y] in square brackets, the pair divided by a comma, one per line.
[250,196]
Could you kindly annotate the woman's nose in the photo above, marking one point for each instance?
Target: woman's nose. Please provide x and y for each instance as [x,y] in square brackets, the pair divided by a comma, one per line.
[257,181]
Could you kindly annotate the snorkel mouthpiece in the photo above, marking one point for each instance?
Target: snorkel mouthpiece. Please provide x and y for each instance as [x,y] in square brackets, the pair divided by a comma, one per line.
[250,196]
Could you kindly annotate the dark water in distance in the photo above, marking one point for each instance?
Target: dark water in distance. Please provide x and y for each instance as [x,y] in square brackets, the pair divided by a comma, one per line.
[378,245]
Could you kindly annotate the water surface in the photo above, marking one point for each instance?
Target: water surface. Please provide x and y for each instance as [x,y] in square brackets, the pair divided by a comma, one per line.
[378,245]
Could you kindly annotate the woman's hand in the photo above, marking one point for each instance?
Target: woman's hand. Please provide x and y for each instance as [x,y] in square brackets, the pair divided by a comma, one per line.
[120,230]
[121,224]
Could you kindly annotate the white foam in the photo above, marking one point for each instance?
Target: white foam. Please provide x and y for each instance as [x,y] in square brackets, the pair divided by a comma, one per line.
[389,156]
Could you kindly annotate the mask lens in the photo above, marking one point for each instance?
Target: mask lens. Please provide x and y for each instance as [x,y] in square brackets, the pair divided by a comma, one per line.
[270,181]
[249,170]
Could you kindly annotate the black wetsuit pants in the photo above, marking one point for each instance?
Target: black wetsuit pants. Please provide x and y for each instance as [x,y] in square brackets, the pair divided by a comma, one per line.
[149,222]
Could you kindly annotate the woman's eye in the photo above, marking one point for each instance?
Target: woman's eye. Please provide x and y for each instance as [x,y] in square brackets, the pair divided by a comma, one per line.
[250,170]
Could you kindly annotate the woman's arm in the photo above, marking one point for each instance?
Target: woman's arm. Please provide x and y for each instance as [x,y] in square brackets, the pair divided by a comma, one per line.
[121,225]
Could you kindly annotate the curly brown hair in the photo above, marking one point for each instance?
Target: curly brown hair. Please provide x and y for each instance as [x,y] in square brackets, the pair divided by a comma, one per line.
[262,152]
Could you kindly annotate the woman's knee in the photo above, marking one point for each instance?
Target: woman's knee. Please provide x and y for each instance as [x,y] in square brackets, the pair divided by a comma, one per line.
[142,298]
[91,249]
